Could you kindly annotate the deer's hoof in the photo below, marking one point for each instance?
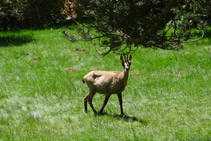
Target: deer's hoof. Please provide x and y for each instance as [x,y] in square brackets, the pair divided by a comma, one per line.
[101,113]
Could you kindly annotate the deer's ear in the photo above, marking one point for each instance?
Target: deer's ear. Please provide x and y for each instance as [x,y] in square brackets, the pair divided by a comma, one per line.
[130,58]
[123,65]
[121,58]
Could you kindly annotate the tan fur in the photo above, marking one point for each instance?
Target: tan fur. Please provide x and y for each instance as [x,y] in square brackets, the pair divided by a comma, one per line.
[107,83]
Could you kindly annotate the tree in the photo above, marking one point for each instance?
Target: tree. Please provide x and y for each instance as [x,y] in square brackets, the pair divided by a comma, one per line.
[121,26]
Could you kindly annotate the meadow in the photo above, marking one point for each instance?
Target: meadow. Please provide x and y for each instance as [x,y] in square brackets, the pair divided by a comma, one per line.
[168,96]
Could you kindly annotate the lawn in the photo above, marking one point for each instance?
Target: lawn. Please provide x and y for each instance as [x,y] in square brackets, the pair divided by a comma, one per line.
[168,96]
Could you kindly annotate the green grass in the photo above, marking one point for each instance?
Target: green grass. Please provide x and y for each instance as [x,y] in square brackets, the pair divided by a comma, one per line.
[168,96]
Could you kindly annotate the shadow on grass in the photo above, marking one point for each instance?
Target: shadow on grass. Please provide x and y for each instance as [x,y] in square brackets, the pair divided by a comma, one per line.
[14,40]
[126,118]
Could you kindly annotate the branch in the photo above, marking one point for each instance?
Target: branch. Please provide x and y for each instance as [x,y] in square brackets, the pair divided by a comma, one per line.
[165,12]
[202,35]
[102,53]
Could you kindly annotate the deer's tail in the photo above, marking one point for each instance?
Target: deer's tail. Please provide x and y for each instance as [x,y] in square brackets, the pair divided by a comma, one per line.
[83,80]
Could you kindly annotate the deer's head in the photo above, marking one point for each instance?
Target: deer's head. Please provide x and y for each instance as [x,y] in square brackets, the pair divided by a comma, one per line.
[126,62]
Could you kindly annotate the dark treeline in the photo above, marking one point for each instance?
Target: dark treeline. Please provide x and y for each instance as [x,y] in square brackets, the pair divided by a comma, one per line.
[120,26]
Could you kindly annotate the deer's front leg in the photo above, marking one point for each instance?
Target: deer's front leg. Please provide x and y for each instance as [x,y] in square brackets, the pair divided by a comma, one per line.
[105,102]
[120,102]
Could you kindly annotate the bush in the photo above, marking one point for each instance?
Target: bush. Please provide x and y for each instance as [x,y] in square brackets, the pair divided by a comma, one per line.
[29,13]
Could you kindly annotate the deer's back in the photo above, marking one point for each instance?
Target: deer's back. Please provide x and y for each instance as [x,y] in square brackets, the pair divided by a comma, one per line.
[105,82]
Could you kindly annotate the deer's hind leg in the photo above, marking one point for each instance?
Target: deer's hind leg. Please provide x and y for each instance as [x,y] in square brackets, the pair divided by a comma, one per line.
[89,98]
[86,99]
[91,95]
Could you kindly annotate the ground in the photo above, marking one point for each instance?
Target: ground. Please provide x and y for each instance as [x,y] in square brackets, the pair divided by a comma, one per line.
[168,96]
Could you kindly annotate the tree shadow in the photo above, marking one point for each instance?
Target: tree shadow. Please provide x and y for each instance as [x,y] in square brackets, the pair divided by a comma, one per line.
[14,40]
[126,118]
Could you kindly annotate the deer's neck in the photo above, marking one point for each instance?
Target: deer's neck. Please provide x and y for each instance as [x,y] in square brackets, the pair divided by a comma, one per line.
[125,76]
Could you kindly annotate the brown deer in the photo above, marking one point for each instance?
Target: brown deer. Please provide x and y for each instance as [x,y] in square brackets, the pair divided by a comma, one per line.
[107,83]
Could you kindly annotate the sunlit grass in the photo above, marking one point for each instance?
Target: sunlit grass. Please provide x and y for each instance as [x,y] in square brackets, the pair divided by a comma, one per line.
[168,96]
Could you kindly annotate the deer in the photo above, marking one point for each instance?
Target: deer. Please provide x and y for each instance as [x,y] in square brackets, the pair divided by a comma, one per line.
[107,83]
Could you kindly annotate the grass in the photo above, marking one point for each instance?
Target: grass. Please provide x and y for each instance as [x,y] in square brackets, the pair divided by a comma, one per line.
[168,96]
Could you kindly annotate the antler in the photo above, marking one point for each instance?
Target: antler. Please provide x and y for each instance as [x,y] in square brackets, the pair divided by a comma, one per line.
[125,58]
